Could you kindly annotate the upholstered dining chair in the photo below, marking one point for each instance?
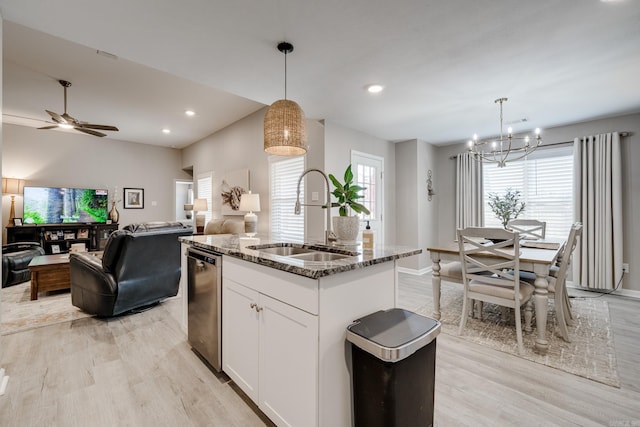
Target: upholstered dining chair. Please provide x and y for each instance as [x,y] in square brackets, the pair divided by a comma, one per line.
[528,227]
[558,282]
[490,260]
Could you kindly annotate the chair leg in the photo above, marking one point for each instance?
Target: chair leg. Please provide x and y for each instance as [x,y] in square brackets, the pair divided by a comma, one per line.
[560,314]
[480,305]
[567,306]
[519,330]
[463,317]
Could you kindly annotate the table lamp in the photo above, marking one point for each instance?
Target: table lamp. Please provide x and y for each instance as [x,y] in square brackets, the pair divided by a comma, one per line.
[200,205]
[250,203]
[12,186]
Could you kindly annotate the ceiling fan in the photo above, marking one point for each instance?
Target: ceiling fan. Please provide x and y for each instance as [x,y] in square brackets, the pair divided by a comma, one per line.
[65,121]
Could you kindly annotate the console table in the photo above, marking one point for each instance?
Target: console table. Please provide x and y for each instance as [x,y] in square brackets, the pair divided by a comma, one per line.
[58,238]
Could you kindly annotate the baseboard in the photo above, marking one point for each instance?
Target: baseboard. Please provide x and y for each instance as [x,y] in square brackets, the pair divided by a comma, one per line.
[621,292]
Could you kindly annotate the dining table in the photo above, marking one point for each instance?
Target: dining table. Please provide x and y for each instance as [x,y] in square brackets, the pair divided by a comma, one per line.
[536,256]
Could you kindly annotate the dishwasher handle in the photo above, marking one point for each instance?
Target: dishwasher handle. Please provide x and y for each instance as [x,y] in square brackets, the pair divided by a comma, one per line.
[210,258]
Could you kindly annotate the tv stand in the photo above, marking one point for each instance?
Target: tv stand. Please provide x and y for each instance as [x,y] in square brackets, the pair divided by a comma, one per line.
[58,238]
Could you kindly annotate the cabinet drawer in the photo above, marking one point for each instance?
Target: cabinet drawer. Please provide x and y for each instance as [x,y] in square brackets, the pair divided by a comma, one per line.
[298,291]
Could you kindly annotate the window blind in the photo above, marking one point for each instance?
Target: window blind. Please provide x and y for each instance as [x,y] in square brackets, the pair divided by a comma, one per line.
[283,175]
[205,191]
[545,180]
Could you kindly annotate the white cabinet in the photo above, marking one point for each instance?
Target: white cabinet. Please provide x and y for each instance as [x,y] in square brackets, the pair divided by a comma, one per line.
[284,337]
[270,350]
[241,336]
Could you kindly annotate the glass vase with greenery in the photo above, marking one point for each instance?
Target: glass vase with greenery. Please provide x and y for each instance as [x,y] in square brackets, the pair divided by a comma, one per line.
[507,206]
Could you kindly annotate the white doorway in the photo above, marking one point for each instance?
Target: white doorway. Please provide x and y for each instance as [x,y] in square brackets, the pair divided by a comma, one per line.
[368,172]
[183,196]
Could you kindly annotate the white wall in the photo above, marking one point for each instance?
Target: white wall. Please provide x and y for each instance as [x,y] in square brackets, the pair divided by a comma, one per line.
[52,158]
[340,141]
[415,215]
[445,183]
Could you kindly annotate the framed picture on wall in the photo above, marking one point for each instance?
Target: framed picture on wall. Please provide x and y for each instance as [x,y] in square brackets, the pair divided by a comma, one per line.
[133,198]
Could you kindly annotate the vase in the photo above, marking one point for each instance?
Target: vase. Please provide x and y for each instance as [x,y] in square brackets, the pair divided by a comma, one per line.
[346,228]
[114,215]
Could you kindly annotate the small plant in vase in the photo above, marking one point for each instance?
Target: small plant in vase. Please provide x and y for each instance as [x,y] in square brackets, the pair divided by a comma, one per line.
[346,227]
[506,207]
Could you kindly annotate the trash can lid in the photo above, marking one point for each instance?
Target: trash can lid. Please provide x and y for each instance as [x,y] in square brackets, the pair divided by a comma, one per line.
[394,334]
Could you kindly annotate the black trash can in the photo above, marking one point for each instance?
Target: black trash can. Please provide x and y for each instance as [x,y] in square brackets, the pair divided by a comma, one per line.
[393,372]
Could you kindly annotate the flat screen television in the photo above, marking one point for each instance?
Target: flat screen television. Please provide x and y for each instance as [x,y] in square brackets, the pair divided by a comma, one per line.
[51,205]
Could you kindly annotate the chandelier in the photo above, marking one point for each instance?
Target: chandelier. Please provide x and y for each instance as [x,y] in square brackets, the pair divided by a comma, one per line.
[504,149]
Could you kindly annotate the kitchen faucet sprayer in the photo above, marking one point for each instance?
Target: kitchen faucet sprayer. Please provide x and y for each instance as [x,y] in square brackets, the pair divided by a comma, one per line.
[329,236]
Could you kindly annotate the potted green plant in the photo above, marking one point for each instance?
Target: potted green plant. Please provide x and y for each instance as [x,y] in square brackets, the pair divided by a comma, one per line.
[506,207]
[347,194]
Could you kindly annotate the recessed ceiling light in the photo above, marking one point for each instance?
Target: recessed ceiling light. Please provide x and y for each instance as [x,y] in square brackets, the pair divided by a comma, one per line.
[375,88]
[165,130]
[190,113]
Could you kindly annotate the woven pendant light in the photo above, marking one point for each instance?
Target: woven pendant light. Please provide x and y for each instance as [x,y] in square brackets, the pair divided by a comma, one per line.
[284,124]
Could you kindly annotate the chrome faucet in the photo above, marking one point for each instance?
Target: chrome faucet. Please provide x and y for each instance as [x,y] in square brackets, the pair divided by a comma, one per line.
[329,236]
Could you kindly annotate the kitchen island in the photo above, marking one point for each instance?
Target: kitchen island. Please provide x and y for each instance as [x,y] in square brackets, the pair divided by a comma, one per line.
[284,323]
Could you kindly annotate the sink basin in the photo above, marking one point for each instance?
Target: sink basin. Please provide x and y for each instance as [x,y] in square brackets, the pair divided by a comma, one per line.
[320,256]
[295,251]
[286,250]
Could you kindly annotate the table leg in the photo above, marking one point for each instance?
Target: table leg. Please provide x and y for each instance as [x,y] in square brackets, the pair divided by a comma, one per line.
[435,284]
[34,286]
[541,298]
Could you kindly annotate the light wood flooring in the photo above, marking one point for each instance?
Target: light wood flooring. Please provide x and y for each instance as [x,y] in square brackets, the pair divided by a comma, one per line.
[138,370]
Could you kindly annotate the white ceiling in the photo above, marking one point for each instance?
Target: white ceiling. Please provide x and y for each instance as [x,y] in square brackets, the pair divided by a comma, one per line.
[442,63]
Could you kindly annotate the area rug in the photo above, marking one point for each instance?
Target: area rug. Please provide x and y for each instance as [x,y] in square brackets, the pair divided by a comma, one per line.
[590,354]
[19,313]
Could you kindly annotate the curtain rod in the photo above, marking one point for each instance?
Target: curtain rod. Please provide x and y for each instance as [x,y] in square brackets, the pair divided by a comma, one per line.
[555,144]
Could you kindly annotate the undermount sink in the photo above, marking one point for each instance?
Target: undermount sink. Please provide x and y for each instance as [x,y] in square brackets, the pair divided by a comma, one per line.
[320,256]
[286,250]
[293,251]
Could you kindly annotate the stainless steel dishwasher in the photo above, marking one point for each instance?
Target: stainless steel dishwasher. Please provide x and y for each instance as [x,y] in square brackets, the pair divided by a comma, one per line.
[205,304]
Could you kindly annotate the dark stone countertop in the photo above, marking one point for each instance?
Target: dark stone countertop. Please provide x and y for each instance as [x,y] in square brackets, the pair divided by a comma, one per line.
[229,244]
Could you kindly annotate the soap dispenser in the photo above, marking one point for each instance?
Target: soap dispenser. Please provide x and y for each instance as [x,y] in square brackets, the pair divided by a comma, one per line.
[367,238]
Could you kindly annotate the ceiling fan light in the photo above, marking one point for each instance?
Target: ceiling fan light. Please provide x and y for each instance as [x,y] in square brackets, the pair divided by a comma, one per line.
[65,126]
[285,129]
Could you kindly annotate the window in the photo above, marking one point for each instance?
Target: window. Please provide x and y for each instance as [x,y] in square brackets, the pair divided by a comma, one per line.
[545,179]
[283,175]
[368,171]
[205,191]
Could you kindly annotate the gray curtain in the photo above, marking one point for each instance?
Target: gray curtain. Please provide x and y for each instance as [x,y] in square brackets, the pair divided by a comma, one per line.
[598,198]
[469,211]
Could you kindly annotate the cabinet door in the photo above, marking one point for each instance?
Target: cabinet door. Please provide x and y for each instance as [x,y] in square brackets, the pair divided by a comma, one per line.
[288,363]
[240,336]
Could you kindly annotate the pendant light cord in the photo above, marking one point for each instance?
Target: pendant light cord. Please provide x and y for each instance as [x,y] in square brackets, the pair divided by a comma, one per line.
[285,74]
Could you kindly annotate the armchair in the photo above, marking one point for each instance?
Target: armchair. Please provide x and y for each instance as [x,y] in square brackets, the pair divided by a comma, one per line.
[140,266]
[15,261]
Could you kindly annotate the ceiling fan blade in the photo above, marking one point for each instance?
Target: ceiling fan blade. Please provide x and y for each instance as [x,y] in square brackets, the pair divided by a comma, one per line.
[90,132]
[56,117]
[50,127]
[101,127]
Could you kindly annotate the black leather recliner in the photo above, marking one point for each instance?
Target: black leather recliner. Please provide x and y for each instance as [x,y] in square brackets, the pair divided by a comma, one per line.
[140,266]
[15,261]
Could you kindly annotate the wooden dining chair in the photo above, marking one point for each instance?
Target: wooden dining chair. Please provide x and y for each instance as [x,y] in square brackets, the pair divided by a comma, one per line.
[528,227]
[558,282]
[490,260]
